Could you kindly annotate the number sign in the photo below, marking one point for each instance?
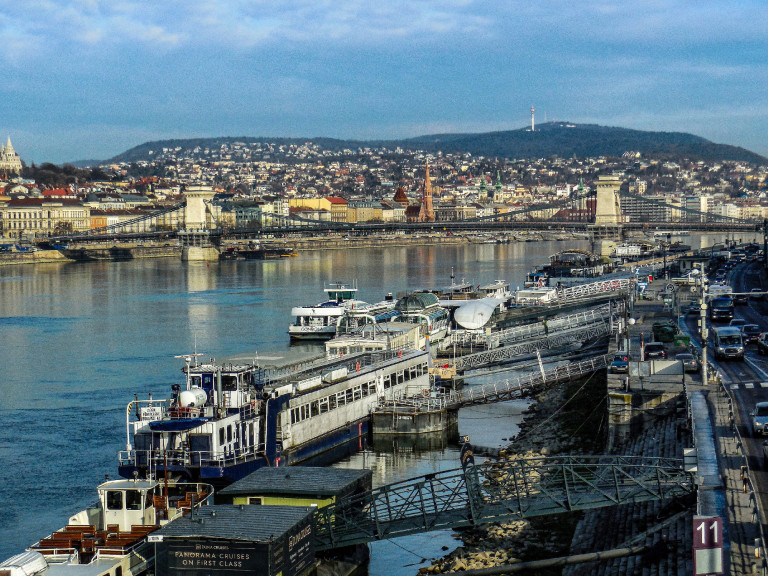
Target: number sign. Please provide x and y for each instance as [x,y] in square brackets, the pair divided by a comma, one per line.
[707,545]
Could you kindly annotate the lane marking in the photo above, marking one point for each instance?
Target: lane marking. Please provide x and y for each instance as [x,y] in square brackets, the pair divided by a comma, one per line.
[734,386]
[749,385]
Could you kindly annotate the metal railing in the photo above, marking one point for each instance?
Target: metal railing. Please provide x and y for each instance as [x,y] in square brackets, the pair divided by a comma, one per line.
[496,492]
[759,517]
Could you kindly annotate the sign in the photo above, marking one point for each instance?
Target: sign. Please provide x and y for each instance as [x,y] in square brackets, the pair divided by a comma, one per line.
[707,545]
[151,413]
[223,557]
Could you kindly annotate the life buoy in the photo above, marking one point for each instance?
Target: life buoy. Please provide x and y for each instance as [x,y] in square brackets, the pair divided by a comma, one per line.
[399,353]
[357,367]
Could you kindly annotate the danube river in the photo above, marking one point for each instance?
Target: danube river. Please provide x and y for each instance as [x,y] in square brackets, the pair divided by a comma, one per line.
[80,339]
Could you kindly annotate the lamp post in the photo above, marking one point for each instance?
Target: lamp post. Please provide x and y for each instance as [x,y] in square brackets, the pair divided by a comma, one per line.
[704,333]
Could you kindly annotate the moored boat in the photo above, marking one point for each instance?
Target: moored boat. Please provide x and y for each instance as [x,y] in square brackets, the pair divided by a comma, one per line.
[111,536]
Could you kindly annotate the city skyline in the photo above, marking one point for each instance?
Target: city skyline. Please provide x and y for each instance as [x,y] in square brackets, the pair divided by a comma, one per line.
[88,80]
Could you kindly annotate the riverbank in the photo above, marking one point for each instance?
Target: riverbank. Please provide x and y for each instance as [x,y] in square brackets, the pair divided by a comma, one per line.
[562,420]
[119,251]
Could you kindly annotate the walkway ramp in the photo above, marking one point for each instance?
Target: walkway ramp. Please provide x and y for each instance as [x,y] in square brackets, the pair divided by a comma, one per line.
[496,492]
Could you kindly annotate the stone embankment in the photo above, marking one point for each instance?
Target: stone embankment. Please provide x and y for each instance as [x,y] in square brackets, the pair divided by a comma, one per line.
[572,421]
[565,420]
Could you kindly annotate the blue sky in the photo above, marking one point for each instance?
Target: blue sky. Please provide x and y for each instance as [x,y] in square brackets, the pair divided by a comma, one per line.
[90,79]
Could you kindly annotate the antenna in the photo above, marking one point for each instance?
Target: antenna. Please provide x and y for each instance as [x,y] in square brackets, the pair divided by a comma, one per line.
[533,121]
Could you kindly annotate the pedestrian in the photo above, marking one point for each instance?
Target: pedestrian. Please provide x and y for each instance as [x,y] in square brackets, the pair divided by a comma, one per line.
[546,328]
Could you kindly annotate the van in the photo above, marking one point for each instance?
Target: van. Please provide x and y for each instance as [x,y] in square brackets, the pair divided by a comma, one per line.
[727,343]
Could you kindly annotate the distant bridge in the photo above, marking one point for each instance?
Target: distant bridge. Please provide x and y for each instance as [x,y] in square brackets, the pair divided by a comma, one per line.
[578,212]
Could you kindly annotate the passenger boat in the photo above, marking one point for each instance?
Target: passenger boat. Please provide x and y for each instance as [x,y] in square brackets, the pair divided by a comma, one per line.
[318,322]
[231,420]
[111,537]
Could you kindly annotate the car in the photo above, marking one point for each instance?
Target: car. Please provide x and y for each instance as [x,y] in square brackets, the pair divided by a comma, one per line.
[750,333]
[620,364]
[760,418]
[756,294]
[690,364]
[694,309]
[762,343]
[738,323]
[654,351]
[741,299]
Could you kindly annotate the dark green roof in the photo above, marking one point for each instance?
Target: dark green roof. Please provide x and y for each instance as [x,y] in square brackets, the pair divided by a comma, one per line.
[298,480]
[243,522]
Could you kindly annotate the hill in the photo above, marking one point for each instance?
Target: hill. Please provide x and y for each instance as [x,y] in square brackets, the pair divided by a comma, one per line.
[550,139]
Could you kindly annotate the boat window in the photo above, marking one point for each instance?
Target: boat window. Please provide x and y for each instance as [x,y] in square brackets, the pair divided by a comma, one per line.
[221,436]
[229,433]
[252,433]
[387,381]
[208,380]
[114,500]
[196,381]
[228,382]
[357,393]
[132,500]
[323,405]
[332,402]
[315,409]
[119,571]
[348,396]
[341,399]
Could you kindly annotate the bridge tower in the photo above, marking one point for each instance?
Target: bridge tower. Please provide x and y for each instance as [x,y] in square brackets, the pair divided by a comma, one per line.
[196,211]
[607,207]
[196,235]
[426,213]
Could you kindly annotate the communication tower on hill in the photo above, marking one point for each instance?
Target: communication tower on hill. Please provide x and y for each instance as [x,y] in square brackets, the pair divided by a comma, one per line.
[533,122]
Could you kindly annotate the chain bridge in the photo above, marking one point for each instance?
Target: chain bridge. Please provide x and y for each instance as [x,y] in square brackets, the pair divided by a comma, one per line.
[498,492]
[608,206]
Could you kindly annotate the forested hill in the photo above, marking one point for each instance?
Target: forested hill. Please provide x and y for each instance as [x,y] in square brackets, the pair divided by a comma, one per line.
[551,139]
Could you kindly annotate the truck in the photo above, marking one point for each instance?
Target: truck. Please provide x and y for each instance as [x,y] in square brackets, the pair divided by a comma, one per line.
[721,309]
[716,290]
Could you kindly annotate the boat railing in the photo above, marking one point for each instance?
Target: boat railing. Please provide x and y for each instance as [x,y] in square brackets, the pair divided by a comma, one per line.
[161,459]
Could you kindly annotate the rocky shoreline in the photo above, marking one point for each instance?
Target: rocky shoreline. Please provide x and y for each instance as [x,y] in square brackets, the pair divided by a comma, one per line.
[564,419]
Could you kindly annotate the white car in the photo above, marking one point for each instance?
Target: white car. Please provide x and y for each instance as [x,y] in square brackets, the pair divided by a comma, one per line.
[760,418]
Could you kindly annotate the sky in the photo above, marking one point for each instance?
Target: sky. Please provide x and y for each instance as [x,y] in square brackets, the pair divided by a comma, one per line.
[89,79]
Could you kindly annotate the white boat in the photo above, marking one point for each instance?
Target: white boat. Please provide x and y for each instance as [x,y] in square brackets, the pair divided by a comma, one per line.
[111,536]
[318,322]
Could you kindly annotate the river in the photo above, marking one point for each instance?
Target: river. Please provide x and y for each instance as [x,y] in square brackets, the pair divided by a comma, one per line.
[80,339]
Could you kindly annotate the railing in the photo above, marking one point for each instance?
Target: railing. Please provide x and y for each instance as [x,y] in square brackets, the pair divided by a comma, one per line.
[496,492]
[538,329]
[160,459]
[761,544]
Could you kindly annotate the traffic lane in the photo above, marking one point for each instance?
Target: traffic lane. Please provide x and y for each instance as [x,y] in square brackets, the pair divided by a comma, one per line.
[744,402]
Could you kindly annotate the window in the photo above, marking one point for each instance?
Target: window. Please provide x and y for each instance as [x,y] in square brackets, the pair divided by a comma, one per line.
[229,433]
[255,500]
[114,500]
[132,500]
[221,436]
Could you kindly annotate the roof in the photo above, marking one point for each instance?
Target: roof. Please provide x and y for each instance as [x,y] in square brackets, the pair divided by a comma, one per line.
[298,480]
[336,200]
[237,522]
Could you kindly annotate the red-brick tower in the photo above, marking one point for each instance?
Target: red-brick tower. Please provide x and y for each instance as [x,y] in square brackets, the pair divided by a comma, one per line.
[427,213]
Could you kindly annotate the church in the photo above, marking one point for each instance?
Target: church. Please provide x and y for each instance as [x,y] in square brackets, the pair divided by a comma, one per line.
[10,162]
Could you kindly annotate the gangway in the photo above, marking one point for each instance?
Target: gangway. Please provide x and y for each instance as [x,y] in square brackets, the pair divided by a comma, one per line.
[498,492]
[602,327]
[582,291]
[509,389]
[539,329]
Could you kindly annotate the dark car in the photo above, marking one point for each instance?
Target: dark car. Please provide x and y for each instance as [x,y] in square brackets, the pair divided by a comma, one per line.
[750,333]
[620,364]
[694,309]
[762,343]
[690,364]
[756,293]
[654,351]
[741,299]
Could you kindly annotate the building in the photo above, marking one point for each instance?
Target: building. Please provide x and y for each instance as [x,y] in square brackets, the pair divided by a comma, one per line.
[10,162]
[43,217]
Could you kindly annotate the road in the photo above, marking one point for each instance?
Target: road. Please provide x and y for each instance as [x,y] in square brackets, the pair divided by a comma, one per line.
[748,380]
